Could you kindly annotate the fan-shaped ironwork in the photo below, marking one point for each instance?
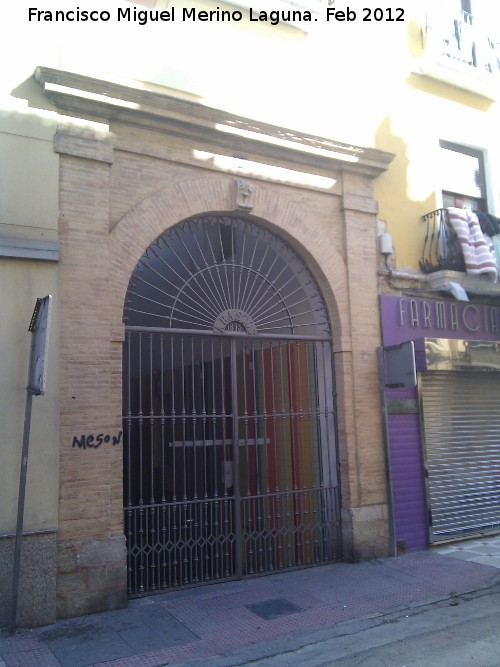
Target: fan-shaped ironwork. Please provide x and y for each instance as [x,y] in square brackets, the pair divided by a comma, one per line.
[224,274]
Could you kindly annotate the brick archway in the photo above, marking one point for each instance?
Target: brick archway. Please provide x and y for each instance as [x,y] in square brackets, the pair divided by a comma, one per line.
[147,220]
[96,266]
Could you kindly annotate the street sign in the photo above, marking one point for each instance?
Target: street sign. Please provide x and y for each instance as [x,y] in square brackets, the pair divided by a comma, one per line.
[40,327]
[400,365]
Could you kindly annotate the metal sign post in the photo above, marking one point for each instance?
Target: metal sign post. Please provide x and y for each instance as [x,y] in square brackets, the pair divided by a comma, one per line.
[37,378]
[397,368]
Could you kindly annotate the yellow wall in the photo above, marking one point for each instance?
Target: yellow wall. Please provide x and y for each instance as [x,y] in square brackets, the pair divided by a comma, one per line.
[423,111]
[21,282]
[29,178]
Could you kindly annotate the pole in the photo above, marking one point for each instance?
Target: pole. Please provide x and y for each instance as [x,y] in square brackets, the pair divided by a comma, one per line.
[388,465]
[22,492]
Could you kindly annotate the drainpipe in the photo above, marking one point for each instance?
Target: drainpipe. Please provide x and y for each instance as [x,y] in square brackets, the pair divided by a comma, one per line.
[388,466]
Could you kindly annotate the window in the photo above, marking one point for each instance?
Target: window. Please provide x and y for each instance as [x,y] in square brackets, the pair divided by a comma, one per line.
[463,177]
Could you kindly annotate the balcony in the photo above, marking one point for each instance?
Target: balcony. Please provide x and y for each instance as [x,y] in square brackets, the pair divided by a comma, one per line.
[460,50]
[443,259]
[441,249]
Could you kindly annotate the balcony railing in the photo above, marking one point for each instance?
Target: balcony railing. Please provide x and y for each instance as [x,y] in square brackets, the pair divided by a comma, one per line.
[459,38]
[441,249]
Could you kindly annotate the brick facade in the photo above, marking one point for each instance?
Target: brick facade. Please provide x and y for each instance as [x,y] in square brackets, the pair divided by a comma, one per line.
[120,187]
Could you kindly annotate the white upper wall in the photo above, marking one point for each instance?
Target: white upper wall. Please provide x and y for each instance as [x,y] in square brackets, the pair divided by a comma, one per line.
[332,78]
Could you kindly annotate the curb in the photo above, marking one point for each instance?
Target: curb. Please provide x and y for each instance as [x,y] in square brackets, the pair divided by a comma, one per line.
[297,641]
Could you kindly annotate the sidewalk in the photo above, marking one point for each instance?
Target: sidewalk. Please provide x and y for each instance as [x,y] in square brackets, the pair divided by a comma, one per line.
[182,627]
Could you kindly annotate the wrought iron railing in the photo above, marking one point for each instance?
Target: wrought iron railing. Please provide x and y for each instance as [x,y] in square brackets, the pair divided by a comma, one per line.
[459,37]
[441,248]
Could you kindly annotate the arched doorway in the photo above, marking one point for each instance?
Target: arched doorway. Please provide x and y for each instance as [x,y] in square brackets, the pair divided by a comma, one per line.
[230,464]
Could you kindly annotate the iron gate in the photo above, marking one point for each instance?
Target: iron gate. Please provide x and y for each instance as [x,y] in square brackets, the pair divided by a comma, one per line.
[229,462]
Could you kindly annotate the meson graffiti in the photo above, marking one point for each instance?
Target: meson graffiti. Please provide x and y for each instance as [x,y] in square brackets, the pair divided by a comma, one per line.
[95,441]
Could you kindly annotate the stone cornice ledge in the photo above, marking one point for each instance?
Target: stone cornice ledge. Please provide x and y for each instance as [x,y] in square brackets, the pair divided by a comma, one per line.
[478,285]
[29,249]
[440,281]
[76,94]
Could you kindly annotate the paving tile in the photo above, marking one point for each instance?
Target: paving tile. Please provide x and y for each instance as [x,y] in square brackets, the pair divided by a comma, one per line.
[156,622]
[82,644]
[26,651]
[488,560]
[273,608]
[490,550]
[463,555]
[482,552]
[195,623]
[113,635]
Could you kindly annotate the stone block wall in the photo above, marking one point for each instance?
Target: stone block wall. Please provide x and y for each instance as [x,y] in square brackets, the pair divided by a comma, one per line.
[36,600]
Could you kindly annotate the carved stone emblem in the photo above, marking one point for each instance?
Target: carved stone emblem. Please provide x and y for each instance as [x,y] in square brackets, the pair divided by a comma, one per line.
[243,194]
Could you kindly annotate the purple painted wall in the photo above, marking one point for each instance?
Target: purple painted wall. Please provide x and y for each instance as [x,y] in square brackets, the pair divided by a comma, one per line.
[407,475]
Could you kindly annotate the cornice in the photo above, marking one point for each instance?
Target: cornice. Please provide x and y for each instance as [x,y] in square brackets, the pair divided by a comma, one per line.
[96,99]
[29,249]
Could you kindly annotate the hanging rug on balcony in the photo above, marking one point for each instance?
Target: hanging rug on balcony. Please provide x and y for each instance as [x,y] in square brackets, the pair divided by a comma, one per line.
[477,248]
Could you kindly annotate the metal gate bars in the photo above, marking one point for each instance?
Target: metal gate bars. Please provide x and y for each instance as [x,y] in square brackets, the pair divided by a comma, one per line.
[229,460]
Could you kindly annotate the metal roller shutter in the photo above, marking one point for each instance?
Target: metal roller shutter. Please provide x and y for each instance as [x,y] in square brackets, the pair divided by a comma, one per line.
[461,425]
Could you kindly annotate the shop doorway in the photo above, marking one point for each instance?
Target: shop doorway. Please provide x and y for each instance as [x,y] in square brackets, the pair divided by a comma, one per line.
[461,427]
[230,466]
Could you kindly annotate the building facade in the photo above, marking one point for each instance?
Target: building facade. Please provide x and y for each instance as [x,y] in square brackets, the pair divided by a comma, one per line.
[193,257]
[442,430]
[225,270]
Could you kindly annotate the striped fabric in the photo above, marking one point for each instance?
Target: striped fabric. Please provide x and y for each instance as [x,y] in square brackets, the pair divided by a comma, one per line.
[478,256]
